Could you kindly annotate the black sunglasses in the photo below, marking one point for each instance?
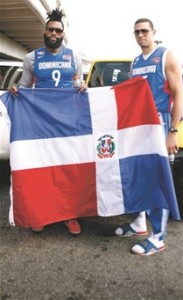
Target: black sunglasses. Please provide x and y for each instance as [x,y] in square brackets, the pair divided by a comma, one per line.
[57,30]
[143,31]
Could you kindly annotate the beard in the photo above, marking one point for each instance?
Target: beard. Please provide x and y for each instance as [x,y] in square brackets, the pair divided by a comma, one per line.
[53,45]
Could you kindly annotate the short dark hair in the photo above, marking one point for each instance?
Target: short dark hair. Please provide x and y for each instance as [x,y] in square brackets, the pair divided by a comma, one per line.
[55,15]
[142,20]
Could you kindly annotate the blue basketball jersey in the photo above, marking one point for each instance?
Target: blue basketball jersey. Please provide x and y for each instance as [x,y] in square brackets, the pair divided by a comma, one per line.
[54,70]
[152,69]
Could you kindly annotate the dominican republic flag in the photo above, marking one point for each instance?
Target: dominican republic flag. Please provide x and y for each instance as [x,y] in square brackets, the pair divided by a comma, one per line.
[96,153]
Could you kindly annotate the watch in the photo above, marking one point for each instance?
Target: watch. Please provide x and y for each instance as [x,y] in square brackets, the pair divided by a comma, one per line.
[172,129]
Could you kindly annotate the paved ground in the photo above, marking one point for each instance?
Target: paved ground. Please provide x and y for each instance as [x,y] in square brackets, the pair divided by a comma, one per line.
[95,265]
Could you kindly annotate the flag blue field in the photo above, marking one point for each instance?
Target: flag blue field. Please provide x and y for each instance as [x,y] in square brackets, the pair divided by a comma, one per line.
[98,153]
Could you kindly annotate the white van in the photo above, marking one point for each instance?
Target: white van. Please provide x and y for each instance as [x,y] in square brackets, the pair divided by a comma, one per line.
[10,73]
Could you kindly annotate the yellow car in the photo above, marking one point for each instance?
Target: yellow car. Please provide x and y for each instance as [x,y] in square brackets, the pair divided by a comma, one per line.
[108,72]
[180,134]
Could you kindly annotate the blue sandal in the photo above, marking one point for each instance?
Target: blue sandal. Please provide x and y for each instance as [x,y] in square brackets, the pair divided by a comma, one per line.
[127,230]
[145,247]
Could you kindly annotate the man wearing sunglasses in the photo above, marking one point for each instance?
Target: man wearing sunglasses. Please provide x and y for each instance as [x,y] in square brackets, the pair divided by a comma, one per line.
[163,72]
[53,66]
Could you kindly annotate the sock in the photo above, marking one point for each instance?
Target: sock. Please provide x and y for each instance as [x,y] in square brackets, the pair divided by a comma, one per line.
[140,222]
